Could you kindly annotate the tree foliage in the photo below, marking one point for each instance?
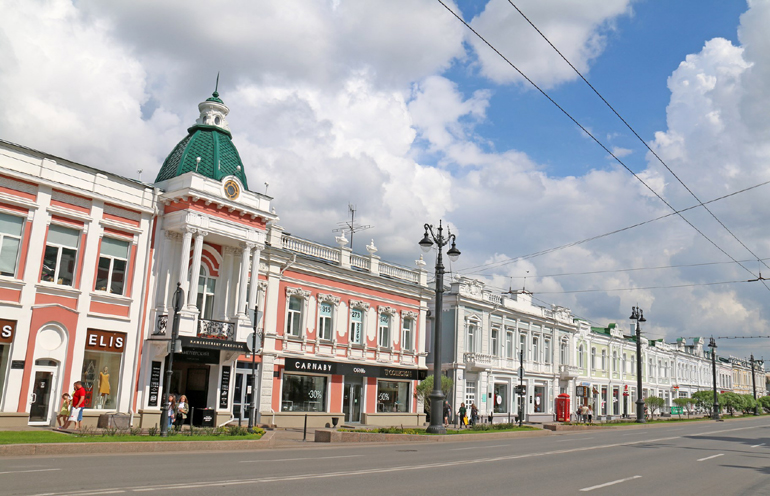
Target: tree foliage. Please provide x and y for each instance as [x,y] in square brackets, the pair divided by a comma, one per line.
[424,388]
[654,403]
[764,402]
[704,400]
[686,404]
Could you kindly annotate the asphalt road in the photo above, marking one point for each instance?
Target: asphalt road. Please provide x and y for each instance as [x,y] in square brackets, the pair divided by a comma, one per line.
[724,458]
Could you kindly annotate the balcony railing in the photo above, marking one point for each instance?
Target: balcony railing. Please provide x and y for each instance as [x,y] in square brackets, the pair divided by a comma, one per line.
[160,325]
[568,371]
[309,248]
[216,329]
[477,358]
[359,262]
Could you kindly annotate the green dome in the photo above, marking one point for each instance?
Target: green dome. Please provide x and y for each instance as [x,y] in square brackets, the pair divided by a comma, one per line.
[212,143]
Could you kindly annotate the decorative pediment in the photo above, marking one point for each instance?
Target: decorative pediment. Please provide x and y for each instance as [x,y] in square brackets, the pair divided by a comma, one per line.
[387,310]
[408,314]
[302,293]
[362,305]
[327,298]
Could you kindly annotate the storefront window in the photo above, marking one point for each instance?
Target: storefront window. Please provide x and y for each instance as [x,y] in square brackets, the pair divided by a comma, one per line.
[303,393]
[501,398]
[392,396]
[100,377]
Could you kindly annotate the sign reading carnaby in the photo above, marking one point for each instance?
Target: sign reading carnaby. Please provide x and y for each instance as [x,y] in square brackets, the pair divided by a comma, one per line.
[337,368]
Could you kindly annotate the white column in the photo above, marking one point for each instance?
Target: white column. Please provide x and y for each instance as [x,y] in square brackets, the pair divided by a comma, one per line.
[254,288]
[243,281]
[184,256]
[192,294]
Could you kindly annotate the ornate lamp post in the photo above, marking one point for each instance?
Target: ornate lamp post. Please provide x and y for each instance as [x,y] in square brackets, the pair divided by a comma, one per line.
[638,316]
[715,409]
[754,382]
[436,396]
[177,302]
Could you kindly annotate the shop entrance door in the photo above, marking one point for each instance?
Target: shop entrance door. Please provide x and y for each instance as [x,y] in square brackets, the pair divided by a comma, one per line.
[40,409]
[351,403]
[539,399]
[242,395]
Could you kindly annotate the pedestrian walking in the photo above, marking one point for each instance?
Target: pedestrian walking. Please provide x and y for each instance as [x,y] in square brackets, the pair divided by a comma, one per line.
[447,412]
[590,415]
[474,414]
[171,410]
[78,403]
[64,411]
[182,408]
[461,414]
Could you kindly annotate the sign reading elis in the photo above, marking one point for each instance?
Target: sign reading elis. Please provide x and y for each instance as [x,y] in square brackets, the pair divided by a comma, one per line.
[105,341]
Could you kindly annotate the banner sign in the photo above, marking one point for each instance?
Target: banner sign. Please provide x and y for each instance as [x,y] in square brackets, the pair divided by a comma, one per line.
[224,388]
[336,368]
[154,384]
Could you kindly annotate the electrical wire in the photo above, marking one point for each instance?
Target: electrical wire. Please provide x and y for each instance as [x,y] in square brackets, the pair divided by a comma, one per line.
[641,288]
[635,133]
[593,238]
[597,141]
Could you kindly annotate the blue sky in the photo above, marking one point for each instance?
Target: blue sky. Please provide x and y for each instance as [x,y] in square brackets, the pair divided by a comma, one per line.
[393,107]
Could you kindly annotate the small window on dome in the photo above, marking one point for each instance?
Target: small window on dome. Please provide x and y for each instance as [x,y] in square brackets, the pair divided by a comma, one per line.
[216,120]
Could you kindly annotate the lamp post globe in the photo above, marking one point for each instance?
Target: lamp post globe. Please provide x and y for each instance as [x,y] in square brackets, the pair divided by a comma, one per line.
[426,244]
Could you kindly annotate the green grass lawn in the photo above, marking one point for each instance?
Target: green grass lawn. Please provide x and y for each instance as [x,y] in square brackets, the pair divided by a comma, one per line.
[40,437]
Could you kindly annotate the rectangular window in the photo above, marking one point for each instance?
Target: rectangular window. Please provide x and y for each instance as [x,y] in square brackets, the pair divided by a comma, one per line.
[303,393]
[523,344]
[535,349]
[408,334]
[392,396]
[294,317]
[60,255]
[494,350]
[470,340]
[356,323]
[100,377]
[470,393]
[113,259]
[509,344]
[383,334]
[547,351]
[10,239]
[325,322]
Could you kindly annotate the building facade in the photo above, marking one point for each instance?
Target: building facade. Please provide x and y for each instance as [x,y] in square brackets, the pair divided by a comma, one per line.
[92,265]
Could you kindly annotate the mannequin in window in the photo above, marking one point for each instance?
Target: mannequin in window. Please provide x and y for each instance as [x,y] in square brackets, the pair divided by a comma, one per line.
[104,386]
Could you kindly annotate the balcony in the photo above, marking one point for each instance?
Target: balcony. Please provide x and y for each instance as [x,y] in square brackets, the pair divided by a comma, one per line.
[216,329]
[567,372]
[477,358]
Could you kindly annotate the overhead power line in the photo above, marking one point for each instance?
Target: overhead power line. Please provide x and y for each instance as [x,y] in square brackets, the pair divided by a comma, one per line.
[635,133]
[641,288]
[593,238]
[596,140]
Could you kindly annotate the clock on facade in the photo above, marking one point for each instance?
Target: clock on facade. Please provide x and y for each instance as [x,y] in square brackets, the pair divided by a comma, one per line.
[232,190]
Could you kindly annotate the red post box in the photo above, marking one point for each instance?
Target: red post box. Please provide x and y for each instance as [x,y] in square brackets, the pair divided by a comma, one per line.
[562,408]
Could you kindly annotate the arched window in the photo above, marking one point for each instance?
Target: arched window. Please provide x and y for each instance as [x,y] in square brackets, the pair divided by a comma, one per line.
[593,358]
[615,362]
[470,342]
[581,358]
[604,359]
[563,354]
[207,286]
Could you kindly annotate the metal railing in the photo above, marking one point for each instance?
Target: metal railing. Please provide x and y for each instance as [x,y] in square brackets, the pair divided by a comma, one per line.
[216,329]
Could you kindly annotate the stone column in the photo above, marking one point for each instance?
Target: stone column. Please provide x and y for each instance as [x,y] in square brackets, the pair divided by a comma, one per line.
[241,310]
[184,256]
[192,294]
[254,288]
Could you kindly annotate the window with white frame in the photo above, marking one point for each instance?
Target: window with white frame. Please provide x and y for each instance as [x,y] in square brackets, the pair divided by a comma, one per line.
[356,326]
[207,287]
[383,331]
[61,253]
[294,317]
[535,349]
[632,365]
[470,394]
[651,368]
[407,334]
[11,229]
[564,353]
[470,339]
[593,358]
[581,357]
[547,351]
[509,344]
[625,363]
[615,362]
[325,321]
[523,344]
[113,260]
[494,339]
[604,359]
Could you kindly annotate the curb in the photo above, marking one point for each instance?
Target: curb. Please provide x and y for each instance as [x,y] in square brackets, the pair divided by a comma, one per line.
[330,436]
[266,442]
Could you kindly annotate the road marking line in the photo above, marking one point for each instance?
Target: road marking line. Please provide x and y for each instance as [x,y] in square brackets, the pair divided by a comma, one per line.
[758,445]
[297,459]
[28,471]
[710,457]
[576,439]
[586,489]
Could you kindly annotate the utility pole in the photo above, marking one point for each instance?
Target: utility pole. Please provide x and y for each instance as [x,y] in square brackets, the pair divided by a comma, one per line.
[754,383]
[638,316]
[713,346]
[521,386]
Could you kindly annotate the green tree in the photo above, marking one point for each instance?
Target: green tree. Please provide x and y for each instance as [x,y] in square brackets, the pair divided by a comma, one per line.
[424,388]
[685,403]
[654,403]
[731,401]
[764,402]
[748,403]
[704,400]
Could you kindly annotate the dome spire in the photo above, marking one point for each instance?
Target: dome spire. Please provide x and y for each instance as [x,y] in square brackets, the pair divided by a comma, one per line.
[216,88]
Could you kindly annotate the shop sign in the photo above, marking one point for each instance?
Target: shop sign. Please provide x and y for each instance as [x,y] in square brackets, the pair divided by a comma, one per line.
[224,388]
[154,384]
[197,356]
[105,341]
[213,344]
[7,330]
[17,364]
[336,368]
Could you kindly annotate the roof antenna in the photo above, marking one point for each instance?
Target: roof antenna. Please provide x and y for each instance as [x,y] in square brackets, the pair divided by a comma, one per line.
[266,185]
[140,174]
[524,287]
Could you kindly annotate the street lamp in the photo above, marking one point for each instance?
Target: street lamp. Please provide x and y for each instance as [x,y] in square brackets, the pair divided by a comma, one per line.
[174,347]
[713,346]
[436,396]
[252,403]
[638,315]
[754,382]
